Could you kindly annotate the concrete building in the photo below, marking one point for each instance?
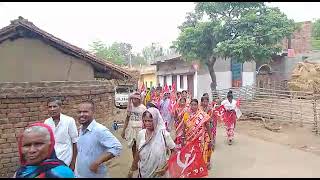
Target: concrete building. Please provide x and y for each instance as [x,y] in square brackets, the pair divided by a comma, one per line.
[195,77]
[148,76]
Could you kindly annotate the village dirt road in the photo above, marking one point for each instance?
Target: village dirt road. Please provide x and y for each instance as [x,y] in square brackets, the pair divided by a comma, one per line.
[249,156]
[253,157]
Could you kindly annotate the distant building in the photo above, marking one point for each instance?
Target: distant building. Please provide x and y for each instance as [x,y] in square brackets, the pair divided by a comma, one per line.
[195,77]
[148,76]
[295,49]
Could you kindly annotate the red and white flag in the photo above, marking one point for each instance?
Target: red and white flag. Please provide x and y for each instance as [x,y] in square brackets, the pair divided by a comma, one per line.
[188,162]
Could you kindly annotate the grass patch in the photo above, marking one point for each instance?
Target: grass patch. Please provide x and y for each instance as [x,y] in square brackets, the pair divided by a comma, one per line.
[315,44]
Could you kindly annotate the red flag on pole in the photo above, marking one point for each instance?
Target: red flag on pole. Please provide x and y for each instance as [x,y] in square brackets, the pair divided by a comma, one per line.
[142,89]
[173,88]
[188,162]
[165,89]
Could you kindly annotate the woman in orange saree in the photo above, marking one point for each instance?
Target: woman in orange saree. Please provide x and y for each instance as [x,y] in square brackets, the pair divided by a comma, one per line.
[178,113]
[196,126]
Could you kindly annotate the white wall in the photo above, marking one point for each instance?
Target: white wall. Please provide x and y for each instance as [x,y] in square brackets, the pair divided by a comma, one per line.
[204,81]
[195,85]
[248,78]
[224,80]
[185,82]
[169,80]
[178,83]
[161,80]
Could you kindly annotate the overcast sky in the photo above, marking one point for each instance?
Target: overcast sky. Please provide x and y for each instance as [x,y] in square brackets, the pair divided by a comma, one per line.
[137,23]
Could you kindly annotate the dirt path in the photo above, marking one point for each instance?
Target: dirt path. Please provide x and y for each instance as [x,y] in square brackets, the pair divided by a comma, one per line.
[253,157]
[256,152]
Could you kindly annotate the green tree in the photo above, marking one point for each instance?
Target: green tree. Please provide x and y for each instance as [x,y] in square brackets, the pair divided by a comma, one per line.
[138,59]
[124,49]
[316,29]
[245,31]
[118,53]
[153,51]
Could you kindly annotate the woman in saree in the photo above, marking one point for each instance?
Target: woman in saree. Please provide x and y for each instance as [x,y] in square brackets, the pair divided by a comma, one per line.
[186,95]
[37,156]
[178,118]
[207,108]
[196,126]
[230,116]
[153,143]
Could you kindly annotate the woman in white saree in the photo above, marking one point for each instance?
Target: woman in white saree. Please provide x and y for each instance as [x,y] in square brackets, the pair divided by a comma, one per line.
[153,144]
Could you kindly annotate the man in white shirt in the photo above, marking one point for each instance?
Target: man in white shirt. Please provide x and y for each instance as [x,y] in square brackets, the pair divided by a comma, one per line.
[65,133]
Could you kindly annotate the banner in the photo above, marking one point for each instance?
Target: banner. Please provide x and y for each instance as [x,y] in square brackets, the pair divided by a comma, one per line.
[188,162]
[218,113]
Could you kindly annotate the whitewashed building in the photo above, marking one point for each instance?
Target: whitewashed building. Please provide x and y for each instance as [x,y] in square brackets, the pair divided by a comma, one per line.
[195,77]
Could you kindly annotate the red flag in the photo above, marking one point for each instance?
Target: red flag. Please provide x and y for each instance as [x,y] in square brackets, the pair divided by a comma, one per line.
[142,88]
[188,162]
[219,113]
[238,103]
[173,88]
[165,89]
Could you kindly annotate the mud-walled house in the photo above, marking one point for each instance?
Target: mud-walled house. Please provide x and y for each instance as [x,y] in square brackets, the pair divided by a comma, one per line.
[35,65]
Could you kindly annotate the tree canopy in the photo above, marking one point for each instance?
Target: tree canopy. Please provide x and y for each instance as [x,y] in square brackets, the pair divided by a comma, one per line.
[152,51]
[316,29]
[245,31]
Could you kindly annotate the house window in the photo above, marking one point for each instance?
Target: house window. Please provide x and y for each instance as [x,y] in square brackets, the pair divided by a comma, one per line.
[146,84]
[151,84]
[164,80]
[181,82]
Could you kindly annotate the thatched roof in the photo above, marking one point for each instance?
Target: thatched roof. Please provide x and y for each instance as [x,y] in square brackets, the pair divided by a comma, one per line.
[23,28]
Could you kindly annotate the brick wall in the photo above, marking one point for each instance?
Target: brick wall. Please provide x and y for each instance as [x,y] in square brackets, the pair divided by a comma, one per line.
[300,39]
[24,103]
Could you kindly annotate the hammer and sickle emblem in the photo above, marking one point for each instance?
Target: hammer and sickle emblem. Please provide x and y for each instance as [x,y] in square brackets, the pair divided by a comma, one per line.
[186,162]
[220,113]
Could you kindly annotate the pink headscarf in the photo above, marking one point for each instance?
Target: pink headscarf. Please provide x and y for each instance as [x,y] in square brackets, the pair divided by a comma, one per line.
[52,141]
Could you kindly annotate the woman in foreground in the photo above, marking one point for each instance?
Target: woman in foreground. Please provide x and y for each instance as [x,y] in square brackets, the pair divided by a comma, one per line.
[37,156]
[197,127]
[153,144]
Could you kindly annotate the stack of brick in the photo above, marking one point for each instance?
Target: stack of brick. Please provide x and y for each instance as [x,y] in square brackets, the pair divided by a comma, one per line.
[300,39]
[25,103]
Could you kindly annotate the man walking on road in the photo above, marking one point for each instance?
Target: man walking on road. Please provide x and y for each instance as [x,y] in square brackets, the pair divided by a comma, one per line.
[65,133]
[96,144]
[133,122]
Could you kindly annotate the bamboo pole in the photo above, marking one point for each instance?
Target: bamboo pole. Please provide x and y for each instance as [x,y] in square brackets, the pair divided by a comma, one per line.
[315,116]
[301,120]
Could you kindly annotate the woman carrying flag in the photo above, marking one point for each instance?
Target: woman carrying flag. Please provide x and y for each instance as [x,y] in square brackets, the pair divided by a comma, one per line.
[196,126]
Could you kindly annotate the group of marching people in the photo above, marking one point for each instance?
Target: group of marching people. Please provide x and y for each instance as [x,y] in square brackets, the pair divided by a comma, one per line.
[154,118]
[159,126]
